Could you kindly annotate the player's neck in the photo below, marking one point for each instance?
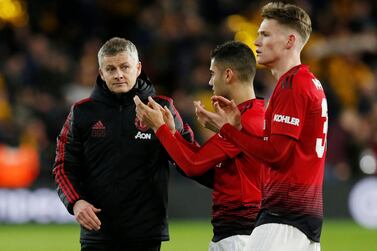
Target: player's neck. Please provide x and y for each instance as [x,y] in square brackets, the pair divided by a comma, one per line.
[284,65]
[242,93]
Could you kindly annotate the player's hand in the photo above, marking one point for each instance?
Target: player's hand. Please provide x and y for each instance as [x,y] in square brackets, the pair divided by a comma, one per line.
[85,215]
[149,115]
[229,109]
[207,119]
[168,119]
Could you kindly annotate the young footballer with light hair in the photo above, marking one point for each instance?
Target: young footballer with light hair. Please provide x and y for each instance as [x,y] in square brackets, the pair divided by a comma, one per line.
[294,146]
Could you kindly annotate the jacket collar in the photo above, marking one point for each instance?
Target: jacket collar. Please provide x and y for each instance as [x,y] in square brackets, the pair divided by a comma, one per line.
[143,88]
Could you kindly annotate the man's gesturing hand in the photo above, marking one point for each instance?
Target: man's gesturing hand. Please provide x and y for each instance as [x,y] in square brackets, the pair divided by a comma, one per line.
[85,214]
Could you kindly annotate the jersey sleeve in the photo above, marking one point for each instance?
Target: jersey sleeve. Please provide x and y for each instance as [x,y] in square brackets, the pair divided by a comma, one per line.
[192,163]
[289,108]
[272,151]
[193,145]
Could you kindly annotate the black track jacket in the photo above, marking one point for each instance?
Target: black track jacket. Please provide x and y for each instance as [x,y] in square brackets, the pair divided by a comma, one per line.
[106,157]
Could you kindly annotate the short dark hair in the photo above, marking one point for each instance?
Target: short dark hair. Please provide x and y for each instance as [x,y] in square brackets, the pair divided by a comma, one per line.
[117,45]
[237,56]
[290,15]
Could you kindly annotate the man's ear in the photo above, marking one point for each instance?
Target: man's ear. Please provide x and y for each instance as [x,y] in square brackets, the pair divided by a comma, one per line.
[138,67]
[229,75]
[292,40]
[101,74]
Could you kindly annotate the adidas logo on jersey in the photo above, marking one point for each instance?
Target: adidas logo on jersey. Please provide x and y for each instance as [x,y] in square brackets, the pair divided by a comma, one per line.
[286,119]
[143,135]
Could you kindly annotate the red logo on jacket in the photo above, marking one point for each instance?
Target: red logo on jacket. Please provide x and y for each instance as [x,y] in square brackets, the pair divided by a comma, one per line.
[98,130]
[140,126]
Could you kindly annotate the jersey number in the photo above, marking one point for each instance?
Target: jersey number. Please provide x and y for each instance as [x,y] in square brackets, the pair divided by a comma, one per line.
[321,142]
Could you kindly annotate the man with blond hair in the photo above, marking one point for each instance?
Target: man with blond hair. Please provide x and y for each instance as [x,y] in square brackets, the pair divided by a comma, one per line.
[294,144]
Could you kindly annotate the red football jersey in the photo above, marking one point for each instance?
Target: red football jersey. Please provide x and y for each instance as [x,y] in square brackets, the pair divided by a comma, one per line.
[298,109]
[292,185]
[236,190]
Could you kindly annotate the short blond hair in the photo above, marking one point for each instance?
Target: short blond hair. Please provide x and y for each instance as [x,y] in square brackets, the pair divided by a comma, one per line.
[290,15]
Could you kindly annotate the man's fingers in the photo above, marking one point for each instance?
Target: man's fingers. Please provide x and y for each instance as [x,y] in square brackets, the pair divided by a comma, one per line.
[89,219]
[198,106]
[218,109]
[95,222]
[96,210]
[167,112]
[140,105]
[153,104]
[137,100]
[221,100]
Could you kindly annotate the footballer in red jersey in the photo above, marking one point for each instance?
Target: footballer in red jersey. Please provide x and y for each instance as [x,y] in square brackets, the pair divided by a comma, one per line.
[294,146]
[236,182]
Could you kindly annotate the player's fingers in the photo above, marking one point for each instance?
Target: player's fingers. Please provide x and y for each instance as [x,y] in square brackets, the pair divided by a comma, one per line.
[153,103]
[167,112]
[221,100]
[139,104]
[137,100]
[198,106]
[162,110]
[218,109]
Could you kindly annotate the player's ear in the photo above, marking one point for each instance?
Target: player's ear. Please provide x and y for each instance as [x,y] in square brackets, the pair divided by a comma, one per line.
[229,74]
[291,41]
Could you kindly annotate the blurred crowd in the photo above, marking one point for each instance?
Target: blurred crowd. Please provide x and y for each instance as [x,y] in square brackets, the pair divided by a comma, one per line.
[49,61]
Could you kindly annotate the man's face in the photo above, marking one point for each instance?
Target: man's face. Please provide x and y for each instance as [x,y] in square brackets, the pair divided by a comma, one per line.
[271,42]
[217,80]
[120,72]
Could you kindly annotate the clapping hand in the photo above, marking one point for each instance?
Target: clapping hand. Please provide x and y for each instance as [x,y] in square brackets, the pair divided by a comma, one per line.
[229,109]
[226,111]
[153,114]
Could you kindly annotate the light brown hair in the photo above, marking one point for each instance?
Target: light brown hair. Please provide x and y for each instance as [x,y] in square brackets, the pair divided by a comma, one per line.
[291,16]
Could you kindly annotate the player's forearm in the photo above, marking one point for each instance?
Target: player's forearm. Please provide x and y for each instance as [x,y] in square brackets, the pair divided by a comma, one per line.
[195,147]
[271,152]
[192,163]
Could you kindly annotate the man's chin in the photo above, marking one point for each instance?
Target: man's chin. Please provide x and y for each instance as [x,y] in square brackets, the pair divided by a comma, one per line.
[120,90]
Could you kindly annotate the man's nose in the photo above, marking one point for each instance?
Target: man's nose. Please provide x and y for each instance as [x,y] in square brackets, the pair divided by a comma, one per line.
[257,42]
[118,74]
